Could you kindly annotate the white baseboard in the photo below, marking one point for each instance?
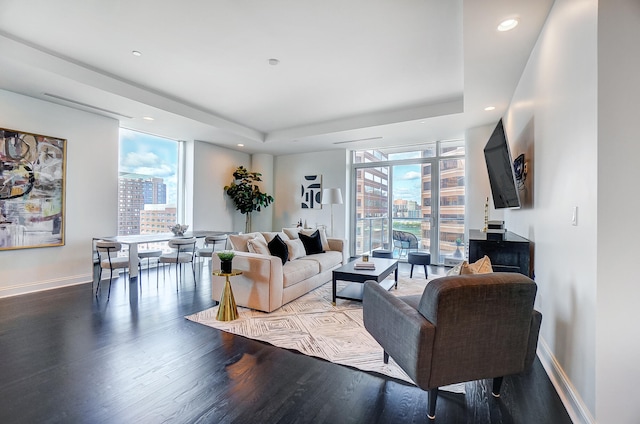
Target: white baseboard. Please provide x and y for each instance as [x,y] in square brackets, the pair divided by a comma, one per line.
[54,283]
[575,406]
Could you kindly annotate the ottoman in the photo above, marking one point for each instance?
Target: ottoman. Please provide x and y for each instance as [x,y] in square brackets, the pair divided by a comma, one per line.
[419,258]
[380,253]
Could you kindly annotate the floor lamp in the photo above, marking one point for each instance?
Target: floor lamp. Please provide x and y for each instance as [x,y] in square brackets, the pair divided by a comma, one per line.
[331,196]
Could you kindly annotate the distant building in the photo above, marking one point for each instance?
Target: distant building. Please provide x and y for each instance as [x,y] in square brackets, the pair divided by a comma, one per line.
[157,218]
[134,192]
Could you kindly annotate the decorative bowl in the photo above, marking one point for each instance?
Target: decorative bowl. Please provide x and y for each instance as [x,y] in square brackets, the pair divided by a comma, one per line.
[179,229]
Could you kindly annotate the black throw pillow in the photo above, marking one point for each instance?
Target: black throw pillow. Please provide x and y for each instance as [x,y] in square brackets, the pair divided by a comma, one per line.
[312,244]
[278,248]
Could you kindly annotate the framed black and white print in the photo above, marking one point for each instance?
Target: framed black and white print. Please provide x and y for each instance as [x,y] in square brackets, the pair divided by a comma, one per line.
[311,192]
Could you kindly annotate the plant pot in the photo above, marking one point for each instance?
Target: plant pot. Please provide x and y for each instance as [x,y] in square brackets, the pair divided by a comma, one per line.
[226,266]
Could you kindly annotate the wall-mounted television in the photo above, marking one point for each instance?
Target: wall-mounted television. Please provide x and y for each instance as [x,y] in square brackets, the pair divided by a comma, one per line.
[502,180]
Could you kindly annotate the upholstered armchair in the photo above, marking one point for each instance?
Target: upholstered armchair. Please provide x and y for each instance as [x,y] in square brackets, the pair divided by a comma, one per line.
[462,328]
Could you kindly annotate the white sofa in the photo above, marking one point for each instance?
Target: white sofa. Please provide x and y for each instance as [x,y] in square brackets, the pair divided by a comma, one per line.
[266,283]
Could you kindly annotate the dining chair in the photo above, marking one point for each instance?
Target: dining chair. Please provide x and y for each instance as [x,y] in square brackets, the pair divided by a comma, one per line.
[209,247]
[148,254]
[184,252]
[108,257]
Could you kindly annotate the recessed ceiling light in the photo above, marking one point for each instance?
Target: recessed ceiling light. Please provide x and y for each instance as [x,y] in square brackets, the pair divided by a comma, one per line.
[508,24]
[488,108]
[273,62]
[136,53]
[240,145]
[148,118]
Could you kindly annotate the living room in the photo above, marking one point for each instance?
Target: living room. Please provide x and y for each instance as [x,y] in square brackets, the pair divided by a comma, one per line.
[572,114]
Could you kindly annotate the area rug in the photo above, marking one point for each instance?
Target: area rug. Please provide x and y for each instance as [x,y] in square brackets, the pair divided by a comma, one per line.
[313,326]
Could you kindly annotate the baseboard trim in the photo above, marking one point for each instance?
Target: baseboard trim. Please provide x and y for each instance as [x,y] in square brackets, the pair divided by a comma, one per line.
[575,406]
[54,283]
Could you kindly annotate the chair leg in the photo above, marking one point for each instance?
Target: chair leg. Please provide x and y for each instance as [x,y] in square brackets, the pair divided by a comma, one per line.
[195,282]
[433,397]
[411,274]
[99,278]
[385,357]
[425,272]
[497,383]
[110,278]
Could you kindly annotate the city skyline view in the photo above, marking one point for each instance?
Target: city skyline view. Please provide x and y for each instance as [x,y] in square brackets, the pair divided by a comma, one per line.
[150,155]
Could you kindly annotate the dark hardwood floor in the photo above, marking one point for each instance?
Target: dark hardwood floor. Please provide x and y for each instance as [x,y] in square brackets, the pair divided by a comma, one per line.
[67,357]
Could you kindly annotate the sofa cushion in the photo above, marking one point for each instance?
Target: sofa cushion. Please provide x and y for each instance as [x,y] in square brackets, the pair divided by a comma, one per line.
[269,235]
[312,244]
[481,266]
[239,241]
[294,233]
[257,245]
[296,271]
[296,249]
[323,236]
[277,247]
[326,260]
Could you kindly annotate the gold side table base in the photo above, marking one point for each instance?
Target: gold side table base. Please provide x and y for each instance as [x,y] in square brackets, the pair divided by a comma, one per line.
[228,310]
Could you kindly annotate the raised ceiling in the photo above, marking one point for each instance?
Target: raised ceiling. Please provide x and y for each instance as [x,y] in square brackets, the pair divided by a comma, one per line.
[351,74]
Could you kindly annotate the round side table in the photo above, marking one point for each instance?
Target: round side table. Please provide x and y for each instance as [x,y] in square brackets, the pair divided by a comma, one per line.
[227,310]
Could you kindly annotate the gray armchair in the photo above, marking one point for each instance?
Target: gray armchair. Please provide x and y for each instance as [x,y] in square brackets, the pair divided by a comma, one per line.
[462,328]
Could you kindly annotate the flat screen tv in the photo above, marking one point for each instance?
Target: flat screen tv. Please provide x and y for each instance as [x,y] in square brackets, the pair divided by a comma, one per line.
[502,180]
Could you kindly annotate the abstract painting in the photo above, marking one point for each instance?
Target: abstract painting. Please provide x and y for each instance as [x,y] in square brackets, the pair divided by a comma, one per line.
[32,183]
[311,192]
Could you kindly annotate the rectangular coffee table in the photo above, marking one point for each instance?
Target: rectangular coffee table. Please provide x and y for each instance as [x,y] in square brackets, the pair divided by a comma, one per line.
[353,291]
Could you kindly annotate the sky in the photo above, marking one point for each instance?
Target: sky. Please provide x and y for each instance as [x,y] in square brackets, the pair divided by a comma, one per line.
[150,155]
[407,182]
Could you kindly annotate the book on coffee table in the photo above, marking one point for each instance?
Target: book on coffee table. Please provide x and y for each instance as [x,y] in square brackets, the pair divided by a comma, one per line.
[364,265]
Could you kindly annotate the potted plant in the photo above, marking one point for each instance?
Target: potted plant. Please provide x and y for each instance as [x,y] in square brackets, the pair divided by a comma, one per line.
[458,253]
[226,259]
[246,194]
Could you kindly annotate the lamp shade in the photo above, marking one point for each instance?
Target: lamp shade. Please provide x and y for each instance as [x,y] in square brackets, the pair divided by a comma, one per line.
[331,196]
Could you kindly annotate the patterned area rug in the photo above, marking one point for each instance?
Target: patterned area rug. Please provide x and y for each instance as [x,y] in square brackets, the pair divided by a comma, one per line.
[313,326]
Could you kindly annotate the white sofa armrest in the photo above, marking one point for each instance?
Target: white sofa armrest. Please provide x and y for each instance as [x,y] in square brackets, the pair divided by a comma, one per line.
[339,245]
[259,287]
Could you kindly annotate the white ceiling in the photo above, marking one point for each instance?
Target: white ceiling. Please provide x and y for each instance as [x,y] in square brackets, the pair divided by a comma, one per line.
[386,72]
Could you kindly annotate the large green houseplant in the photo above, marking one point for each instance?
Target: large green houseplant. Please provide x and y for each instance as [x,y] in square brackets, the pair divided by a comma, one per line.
[246,194]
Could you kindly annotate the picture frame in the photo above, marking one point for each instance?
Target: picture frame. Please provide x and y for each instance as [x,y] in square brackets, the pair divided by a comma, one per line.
[311,192]
[32,190]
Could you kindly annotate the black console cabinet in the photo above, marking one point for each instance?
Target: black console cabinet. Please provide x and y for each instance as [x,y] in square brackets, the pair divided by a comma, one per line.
[509,254]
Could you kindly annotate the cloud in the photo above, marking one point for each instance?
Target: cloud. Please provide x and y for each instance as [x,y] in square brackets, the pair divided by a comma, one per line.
[136,159]
[411,175]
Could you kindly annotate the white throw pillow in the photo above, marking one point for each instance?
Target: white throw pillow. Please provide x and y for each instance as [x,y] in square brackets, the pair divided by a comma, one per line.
[292,233]
[323,236]
[239,241]
[296,249]
[256,245]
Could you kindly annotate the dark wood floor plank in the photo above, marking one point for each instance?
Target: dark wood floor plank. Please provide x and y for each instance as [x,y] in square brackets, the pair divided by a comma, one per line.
[67,357]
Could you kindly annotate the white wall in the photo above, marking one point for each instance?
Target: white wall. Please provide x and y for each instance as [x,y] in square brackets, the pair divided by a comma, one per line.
[618,338]
[91,193]
[213,169]
[289,172]
[553,114]
[477,179]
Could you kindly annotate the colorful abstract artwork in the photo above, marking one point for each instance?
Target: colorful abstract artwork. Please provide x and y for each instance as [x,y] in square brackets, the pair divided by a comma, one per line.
[311,192]
[32,182]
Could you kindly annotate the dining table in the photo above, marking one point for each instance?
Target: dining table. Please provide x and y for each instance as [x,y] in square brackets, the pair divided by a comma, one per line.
[132,241]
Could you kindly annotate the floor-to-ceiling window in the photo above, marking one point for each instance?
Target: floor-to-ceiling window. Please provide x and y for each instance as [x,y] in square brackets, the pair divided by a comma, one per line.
[148,189]
[414,193]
